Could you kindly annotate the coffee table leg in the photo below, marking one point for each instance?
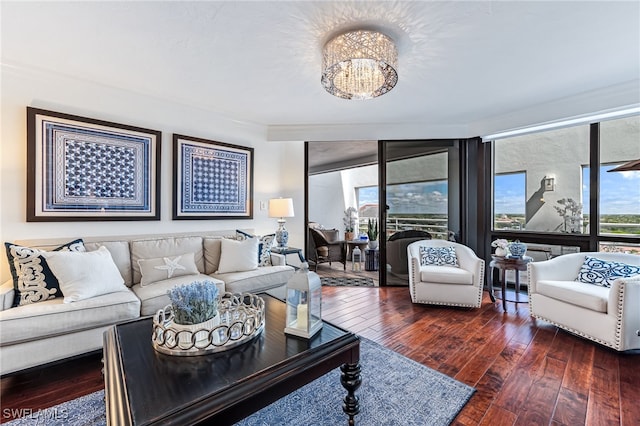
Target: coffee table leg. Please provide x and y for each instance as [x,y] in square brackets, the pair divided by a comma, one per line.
[351,380]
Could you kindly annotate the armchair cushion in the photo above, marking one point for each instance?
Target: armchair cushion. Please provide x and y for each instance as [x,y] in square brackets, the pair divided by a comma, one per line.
[588,296]
[446,275]
[438,256]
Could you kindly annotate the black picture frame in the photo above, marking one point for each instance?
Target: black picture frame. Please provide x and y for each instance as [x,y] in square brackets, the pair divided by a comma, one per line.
[211,179]
[85,169]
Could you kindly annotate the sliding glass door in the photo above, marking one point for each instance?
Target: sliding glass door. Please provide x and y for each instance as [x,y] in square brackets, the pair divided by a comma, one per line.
[420,192]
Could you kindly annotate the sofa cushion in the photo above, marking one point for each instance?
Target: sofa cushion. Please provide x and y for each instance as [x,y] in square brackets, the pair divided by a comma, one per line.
[120,254]
[163,268]
[154,296]
[257,280]
[54,317]
[163,247]
[264,249]
[83,275]
[445,275]
[588,296]
[438,256]
[212,247]
[33,280]
[238,256]
[264,246]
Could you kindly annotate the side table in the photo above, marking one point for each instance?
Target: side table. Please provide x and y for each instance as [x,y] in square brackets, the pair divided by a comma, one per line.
[289,250]
[504,264]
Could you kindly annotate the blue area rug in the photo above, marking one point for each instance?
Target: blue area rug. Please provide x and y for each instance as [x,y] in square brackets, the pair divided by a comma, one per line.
[395,391]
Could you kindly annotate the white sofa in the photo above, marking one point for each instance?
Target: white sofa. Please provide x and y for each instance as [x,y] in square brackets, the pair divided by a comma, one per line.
[51,330]
[609,316]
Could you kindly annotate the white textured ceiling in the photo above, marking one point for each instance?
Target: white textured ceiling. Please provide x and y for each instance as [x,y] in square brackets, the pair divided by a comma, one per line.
[465,68]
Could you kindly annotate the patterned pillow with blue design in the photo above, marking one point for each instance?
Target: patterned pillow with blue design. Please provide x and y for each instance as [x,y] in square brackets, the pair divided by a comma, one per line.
[264,247]
[33,280]
[438,256]
[603,273]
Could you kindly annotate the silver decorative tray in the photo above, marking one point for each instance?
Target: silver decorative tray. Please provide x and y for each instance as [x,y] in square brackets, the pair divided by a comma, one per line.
[240,318]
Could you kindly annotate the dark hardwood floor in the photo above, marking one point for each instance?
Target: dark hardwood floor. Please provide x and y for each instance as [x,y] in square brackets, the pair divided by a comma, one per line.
[525,372]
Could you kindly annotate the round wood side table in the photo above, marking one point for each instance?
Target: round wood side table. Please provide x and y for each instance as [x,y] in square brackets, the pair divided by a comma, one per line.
[504,264]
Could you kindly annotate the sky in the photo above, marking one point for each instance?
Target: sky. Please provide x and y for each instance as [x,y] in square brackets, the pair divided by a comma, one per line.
[422,197]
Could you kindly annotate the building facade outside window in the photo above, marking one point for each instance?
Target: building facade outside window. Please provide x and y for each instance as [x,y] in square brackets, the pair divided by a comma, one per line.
[552,163]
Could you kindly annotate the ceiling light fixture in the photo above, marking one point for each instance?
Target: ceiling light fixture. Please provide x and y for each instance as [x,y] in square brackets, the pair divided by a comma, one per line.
[359,65]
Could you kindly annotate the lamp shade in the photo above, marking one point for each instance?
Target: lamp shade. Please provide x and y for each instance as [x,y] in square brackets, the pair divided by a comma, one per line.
[281,207]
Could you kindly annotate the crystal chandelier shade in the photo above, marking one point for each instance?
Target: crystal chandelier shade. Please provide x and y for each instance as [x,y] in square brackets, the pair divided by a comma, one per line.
[359,65]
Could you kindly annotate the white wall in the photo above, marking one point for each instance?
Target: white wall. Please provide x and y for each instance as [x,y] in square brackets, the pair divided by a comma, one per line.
[278,166]
[326,200]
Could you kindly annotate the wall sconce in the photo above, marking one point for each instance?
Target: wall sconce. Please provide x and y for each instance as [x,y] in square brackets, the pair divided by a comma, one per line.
[549,183]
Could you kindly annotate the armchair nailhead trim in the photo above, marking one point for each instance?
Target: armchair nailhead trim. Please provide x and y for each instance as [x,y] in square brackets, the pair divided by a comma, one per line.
[615,346]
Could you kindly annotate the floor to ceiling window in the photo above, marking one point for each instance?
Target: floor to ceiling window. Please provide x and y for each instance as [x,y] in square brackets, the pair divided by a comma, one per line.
[549,165]
[568,201]
[619,195]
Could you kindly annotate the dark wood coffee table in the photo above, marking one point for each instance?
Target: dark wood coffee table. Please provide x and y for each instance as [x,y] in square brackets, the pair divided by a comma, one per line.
[144,387]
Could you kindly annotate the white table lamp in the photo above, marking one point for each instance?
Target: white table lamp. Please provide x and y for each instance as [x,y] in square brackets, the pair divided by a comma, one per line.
[281,208]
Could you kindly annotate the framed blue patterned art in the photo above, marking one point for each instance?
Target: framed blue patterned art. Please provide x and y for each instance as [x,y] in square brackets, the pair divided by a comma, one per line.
[211,180]
[83,169]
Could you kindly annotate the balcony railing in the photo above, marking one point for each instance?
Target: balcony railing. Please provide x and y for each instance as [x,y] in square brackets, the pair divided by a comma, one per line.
[438,228]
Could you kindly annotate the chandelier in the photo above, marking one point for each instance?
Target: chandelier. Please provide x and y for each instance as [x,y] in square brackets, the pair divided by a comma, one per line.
[359,65]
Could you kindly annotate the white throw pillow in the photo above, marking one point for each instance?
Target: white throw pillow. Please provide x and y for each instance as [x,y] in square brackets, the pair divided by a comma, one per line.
[85,275]
[238,256]
[163,268]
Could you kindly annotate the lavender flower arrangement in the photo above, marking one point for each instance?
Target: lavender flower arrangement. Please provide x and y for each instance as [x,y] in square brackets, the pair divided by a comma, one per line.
[194,303]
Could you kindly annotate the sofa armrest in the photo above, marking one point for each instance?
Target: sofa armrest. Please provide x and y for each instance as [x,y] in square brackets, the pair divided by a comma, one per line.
[7,295]
[621,291]
[561,268]
[623,305]
[278,259]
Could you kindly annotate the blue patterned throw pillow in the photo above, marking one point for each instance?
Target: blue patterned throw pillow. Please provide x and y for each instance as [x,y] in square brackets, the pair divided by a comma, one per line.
[264,247]
[33,280]
[622,270]
[603,273]
[438,256]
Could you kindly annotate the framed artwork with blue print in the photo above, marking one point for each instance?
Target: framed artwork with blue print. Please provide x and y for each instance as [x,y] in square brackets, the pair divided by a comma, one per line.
[211,180]
[84,169]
